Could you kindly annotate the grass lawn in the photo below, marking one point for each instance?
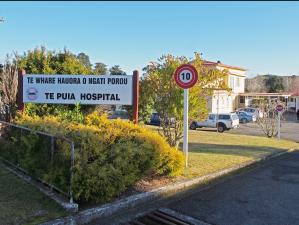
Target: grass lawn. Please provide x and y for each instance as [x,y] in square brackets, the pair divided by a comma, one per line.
[20,203]
[210,151]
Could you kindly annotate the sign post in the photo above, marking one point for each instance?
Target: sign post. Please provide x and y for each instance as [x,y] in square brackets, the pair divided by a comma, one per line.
[279,109]
[20,103]
[279,114]
[135,96]
[185,140]
[186,77]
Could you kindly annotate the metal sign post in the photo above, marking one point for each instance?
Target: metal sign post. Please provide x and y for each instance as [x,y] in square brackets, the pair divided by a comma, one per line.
[185,141]
[279,108]
[279,115]
[186,77]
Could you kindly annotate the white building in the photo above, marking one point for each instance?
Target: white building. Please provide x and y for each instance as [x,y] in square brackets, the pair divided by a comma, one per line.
[223,101]
[293,102]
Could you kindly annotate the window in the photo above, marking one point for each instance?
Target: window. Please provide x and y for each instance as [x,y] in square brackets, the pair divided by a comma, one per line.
[242,99]
[224,117]
[211,117]
[249,110]
[155,116]
[238,82]
[231,82]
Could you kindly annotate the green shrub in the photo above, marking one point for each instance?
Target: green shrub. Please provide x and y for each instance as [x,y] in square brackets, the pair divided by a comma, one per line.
[110,155]
[71,113]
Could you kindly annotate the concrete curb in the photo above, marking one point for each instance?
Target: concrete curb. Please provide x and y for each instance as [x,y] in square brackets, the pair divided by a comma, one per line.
[88,215]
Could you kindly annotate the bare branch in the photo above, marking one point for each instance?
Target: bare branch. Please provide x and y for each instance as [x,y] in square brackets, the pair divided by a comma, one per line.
[9,87]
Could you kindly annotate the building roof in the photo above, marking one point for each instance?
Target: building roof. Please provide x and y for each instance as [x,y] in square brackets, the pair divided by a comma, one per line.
[295,94]
[210,63]
[266,94]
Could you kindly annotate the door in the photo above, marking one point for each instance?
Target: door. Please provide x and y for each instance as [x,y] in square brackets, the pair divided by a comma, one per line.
[211,122]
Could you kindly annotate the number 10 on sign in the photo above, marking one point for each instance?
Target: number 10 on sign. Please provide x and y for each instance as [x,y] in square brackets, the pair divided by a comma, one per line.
[186,77]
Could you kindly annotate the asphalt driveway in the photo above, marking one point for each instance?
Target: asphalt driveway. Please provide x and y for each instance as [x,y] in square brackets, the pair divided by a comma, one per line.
[289,130]
[267,195]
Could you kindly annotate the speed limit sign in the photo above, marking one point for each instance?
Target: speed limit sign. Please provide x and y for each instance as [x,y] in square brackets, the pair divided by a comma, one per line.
[186,76]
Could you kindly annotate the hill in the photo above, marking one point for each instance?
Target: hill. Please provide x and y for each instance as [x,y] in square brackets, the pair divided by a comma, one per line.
[272,83]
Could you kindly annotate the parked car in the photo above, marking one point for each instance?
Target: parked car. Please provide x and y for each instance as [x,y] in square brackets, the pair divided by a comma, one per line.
[244,117]
[120,114]
[252,111]
[156,120]
[225,121]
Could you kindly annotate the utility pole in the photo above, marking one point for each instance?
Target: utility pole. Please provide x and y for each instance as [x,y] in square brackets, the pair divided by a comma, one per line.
[217,110]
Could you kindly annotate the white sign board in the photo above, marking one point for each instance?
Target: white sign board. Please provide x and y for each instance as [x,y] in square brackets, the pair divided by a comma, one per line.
[83,89]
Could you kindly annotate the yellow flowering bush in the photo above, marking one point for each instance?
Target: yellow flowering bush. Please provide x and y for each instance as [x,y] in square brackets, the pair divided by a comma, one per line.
[110,155]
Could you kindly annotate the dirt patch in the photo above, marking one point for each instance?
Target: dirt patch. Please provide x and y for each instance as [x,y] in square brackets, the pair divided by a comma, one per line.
[152,182]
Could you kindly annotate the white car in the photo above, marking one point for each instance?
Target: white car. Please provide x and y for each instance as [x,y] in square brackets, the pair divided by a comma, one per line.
[225,121]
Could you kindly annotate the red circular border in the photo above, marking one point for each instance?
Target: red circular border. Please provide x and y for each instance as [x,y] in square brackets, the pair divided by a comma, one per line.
[279,106]
[194,76]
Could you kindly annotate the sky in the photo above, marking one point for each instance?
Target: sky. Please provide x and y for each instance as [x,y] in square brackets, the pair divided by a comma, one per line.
[262,37]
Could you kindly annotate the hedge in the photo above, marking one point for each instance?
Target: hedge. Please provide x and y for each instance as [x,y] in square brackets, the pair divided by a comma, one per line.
[110,155]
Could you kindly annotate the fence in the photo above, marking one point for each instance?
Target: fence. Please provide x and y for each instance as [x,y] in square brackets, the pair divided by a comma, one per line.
[45,157]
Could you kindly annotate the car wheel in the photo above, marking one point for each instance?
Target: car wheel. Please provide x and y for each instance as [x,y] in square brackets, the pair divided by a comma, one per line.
[244,120]
[193,126]
[221,128]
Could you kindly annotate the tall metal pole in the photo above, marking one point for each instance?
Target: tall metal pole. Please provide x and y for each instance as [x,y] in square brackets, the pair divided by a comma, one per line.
[279,114]
[217,110]
[185,142]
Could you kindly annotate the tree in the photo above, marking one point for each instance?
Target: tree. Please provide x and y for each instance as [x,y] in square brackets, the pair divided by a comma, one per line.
[159,91]
[274,84]
[116,70]
[100,68]
[9,87]
[84,59]
[43,61]
[294,86]
[268,123]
